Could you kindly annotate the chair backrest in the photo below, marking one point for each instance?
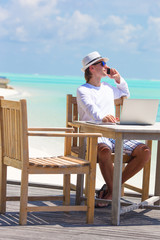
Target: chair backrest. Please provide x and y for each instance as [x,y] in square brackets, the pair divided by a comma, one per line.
[72,112]
[118,105]
[13,119]
[72,109]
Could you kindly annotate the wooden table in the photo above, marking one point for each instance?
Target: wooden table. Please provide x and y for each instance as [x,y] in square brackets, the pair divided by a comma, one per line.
[119,133]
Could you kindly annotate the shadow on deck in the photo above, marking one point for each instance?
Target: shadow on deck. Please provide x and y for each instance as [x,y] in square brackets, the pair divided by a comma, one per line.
[72,219]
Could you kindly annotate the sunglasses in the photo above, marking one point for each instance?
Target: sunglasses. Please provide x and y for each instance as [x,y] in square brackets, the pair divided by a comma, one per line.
[102,63]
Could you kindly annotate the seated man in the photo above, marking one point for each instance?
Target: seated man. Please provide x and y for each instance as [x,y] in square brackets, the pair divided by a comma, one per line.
[96,102]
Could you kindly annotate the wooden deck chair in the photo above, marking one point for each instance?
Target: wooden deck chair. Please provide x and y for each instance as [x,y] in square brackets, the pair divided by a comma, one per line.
[15,153]
[72,115]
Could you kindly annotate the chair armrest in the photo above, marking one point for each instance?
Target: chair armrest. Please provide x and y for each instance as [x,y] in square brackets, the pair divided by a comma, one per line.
[64,129]
[73,124]
[65,134]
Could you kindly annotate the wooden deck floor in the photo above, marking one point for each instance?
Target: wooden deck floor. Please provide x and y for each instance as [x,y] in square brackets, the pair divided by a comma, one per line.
[138,224]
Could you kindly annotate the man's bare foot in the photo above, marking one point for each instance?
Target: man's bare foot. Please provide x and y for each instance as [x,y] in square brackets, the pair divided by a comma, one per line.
[104,193]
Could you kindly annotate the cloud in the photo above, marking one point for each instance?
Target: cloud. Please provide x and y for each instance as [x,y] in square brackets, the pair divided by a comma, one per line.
[21,34]
[4,14]
[35,10]
[42,20]
[48,21]
[27,20]
[42,5]
[119,33]
[124,34]
[30,3]
[154,26]
[115,20]
[76,27]
[152,34]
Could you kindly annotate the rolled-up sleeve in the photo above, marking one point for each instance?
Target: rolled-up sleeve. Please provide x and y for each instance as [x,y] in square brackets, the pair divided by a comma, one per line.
[122,89]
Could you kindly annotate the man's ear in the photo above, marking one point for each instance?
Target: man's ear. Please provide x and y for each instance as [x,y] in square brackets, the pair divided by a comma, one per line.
[91,68]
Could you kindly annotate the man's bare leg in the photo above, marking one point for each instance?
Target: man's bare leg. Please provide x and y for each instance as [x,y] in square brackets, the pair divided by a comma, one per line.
[106,167]
[140,155]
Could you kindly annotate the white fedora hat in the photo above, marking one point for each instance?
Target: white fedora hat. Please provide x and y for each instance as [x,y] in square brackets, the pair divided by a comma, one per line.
[92,58]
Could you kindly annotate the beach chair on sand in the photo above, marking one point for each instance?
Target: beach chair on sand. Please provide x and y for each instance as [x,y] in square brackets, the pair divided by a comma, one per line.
[72,115]
[14,146]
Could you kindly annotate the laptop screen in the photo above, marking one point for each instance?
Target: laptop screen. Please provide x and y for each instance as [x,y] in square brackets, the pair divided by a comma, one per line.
[139,111]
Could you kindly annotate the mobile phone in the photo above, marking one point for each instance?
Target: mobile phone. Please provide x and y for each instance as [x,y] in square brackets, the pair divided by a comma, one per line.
[108,70]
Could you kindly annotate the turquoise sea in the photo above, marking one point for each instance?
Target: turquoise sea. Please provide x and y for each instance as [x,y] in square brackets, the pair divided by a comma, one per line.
[46,101]
[47,94]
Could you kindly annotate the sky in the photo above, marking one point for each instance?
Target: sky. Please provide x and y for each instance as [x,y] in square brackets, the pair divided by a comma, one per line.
[52,36]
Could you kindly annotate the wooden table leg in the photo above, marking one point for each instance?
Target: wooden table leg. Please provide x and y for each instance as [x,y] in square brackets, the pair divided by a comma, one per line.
[80,177]
[117,179]
[157,180]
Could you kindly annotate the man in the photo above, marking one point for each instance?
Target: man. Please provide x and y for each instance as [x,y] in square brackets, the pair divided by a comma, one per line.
[96,102]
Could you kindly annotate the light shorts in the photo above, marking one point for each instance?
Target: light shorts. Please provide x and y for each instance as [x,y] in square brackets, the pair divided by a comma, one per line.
[128,145]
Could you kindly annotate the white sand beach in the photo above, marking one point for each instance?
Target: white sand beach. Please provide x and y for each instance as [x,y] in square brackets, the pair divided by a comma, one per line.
[8,93]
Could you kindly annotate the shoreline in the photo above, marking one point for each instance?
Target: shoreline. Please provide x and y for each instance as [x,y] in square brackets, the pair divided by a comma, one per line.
[8,92]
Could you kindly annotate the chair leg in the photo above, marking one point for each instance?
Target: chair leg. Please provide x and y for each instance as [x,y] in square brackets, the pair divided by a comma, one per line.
[3,187]
[146,175]
[122,189]
[23,198]
[85,190]
[90,199]
[86,178]
[79,188]
[145,183]
[66,189]
[80,177]
[91,180]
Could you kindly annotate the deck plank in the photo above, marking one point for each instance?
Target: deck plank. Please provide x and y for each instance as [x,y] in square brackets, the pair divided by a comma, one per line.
[138,224]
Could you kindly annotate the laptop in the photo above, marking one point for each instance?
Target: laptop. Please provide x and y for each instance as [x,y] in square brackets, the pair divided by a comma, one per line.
[136,112]
[139,111]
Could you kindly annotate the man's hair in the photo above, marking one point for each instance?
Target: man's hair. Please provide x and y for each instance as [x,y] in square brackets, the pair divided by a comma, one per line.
[87,75]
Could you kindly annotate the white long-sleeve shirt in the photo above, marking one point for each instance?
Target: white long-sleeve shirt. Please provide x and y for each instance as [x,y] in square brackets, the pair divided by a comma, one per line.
[94,103]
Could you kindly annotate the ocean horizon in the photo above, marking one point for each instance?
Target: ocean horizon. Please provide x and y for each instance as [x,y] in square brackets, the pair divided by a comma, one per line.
[46,104]
[35,86]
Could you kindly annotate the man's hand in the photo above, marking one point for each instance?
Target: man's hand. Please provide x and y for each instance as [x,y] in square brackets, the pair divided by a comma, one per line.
[114,74]
[110,118]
